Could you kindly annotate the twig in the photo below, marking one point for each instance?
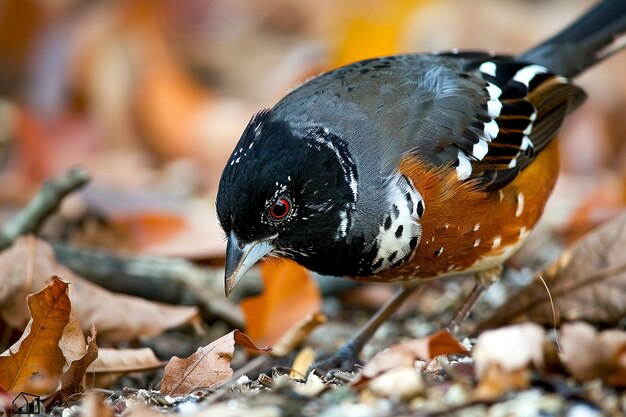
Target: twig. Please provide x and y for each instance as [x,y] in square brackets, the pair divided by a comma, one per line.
[174,281]
[45,203]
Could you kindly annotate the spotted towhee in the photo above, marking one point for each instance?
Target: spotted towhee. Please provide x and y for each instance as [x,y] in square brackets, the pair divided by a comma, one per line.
[409,167]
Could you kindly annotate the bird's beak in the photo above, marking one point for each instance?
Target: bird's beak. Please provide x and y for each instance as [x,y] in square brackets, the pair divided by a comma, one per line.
[240,257]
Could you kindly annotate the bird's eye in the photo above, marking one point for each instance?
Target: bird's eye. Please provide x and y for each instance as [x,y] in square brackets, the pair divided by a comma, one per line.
[280,209]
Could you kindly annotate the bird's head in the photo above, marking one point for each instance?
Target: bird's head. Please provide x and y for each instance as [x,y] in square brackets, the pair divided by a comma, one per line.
[287,192]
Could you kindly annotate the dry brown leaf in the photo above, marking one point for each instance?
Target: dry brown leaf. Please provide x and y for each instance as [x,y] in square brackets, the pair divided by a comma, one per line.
[112,364]
[588,283]
[72,379]
[589,354]
[27,267]
[288,297]
[504,357]
[405,354]
[35,363]
[208,367]
[72,342]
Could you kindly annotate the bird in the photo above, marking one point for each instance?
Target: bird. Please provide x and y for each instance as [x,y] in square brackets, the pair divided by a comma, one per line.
[407,168]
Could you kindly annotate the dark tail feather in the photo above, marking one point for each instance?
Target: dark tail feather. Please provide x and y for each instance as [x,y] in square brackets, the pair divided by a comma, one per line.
[593,37]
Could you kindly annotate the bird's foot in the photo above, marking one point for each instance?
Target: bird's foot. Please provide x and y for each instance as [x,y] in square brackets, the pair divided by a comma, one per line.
[346,359]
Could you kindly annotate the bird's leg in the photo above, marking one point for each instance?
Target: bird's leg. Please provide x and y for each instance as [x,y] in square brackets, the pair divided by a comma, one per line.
[348,355]
[483,280]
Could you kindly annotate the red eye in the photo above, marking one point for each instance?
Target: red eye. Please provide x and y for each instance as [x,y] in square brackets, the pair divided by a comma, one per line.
[280,209]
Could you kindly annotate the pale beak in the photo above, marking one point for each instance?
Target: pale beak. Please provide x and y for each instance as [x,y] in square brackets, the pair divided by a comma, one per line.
[240,257]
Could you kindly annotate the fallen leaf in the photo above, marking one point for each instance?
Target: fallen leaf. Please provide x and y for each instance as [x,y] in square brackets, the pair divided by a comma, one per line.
[405,354]
[112,364]
[35,363]
[27,267]
[72,379]
[589,354]
[208,367]
[588,283]
[289,296]
[504,357]
[72,342]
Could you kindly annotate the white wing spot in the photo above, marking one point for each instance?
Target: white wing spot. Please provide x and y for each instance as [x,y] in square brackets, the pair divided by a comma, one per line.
[488,68]
[439,251]
[480,149]
[491,129]
[496,242]
[501,194]
[464,169]
[520,205]
[526,74]
[476,227]
[476,243]
[494,106]
[526,142]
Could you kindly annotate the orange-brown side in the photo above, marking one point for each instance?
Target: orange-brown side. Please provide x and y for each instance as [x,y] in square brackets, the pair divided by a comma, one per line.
[464,228]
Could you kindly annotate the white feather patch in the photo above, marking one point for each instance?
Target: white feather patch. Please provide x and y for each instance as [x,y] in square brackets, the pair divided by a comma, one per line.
[494,106]
[491,129]
[526,143]
[480,149]
[526,74]
[464,169]
[488,68]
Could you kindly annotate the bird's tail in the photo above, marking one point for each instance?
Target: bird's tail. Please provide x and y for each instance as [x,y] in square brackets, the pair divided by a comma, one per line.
[596,35]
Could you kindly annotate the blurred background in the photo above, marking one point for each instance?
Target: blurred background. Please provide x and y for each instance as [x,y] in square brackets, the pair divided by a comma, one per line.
[151,96]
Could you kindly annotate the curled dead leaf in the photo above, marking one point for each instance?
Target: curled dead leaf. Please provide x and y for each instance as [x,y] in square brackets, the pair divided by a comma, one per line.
[35,363]
[588,282]
[208,367]
[72,379]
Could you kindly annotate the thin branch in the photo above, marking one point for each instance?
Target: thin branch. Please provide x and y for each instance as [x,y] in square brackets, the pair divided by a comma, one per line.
[45,203]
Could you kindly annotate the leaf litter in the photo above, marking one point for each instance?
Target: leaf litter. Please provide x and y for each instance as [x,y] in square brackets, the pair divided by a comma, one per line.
[136,114]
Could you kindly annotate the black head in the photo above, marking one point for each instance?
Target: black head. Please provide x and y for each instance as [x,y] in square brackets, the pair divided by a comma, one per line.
[286,191]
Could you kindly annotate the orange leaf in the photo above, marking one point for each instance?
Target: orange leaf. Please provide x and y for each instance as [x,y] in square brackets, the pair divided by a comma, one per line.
[290,295]
[34,363]
[208,367]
